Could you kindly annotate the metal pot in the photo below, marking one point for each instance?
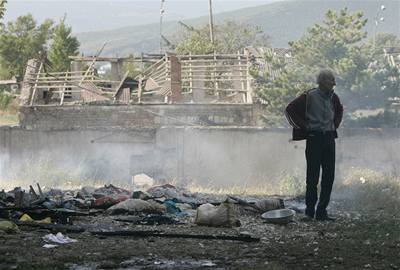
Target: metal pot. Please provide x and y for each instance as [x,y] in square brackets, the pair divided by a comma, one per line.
[280,216]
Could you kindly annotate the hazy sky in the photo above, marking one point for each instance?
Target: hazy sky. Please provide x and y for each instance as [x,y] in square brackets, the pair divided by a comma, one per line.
[89,15]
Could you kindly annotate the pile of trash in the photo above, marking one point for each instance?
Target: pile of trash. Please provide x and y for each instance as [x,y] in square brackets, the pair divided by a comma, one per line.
[58,210]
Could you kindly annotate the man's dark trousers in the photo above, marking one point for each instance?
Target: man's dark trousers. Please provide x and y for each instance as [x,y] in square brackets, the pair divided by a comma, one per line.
[320,153]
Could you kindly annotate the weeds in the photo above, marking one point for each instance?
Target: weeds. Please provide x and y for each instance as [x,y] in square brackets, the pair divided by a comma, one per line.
[292,185]
[358,189]
[5,100]
[8,118]
[8,109]
[286,184]
[50,174]
[366,189]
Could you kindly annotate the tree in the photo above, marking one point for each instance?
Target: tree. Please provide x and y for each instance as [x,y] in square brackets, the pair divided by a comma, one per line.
[336,44]
[20,41]
[230,37]
[131,67]
[2,8]
[63,45]
[383,66]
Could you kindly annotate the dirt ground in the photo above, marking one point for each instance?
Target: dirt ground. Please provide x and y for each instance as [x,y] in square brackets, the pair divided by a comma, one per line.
[357,240]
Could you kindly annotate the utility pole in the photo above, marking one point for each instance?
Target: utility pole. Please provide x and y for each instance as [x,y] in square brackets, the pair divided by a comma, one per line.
[211,21]
[161,18]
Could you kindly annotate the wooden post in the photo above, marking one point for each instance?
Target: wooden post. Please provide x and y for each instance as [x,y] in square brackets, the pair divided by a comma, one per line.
[249,97]
[63,89]
[176,79]
[92,64]
[168,75]
[216,85]
[190,75]
[140,89]
[241,77]
[36,83]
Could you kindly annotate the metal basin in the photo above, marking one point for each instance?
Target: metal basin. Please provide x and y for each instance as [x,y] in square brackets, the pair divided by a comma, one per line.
[280,216]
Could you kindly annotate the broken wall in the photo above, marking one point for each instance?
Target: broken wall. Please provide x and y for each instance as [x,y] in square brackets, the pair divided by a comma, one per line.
[149,115]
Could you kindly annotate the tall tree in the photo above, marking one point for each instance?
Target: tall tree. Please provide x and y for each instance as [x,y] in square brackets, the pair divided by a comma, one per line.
[336,44]
[20,41]
[3,71]
[383,66]
[63,45]
[229,37]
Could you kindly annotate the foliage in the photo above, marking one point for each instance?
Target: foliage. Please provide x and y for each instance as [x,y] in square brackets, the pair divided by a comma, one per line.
[131,67]
[386,75]
[387,118]
[335,44]
[292,185]
[196,42]
[5,100]
[20,41]
[63,45]
[229,37]
[2,8]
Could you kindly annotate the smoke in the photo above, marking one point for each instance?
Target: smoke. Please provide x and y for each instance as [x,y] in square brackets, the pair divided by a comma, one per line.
[222,160]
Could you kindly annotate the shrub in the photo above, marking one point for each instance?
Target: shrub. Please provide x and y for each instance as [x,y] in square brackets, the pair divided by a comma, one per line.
[292,185]
[5,100]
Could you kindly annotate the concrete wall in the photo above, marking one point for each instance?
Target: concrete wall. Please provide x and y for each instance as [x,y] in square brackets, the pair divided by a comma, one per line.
[219,155]
[110,116]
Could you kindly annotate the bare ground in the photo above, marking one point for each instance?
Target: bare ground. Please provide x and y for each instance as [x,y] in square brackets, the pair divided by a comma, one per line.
[357,240]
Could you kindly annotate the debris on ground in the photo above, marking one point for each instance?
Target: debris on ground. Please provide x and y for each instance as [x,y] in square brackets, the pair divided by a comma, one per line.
[57,209]
[59,238]
[8,227]
[217,216]
[162,220]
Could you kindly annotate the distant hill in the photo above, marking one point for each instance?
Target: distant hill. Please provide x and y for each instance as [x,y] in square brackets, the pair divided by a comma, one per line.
[282,21]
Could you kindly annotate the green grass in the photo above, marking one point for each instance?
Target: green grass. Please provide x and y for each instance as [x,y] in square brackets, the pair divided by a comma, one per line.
[8,118]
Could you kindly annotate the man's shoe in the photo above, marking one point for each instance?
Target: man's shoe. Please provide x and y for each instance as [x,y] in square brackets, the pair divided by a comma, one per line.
[325,218]
[306,218]
[309,214]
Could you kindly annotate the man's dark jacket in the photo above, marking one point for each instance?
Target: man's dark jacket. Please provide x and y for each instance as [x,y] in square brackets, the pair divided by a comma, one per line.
[296,115]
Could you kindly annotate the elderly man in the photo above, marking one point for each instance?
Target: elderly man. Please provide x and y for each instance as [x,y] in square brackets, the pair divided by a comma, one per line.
[315,115]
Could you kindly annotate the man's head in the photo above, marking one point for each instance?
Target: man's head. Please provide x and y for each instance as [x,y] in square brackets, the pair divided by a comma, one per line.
[326,80]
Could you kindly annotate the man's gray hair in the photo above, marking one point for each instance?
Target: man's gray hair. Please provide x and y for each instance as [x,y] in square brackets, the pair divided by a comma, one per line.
[324,74]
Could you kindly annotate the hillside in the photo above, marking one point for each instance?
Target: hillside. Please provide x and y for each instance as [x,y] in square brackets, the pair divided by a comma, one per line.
[282,21]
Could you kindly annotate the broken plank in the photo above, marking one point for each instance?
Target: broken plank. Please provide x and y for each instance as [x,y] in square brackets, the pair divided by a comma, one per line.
[52,227]
[176,235]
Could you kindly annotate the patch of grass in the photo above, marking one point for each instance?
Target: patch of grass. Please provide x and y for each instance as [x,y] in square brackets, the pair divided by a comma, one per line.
[49,174]
[292,185]
[366,189]
[5,100]
[8,109]
[8,118]
[286,184]
[231,190]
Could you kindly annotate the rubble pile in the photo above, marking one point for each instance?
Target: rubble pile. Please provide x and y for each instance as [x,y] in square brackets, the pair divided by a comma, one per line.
[112,210]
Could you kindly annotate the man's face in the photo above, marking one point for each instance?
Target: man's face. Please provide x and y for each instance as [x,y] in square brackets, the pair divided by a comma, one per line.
[327,84]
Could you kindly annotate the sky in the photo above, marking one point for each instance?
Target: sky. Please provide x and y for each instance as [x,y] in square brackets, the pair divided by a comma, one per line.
[91,15]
